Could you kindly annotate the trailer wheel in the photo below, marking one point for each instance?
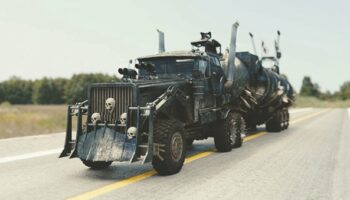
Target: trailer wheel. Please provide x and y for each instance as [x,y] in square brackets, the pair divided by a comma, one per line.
[275,124]
[97,164]
[283,120]
[287,118]
[170,158]
[230,132]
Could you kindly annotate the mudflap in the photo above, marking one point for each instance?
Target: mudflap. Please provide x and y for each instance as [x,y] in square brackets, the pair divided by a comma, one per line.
[105,144]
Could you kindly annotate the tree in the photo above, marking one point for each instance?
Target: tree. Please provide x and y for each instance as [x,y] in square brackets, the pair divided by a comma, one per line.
[308,88]
[16,91]
[2,95]
[345,90]
[76,89]
[49,91]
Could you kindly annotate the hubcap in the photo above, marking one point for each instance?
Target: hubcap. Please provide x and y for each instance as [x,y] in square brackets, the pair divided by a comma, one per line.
[176,146]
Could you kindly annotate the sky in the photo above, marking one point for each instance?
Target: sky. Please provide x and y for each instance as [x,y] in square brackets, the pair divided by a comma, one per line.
[59,38]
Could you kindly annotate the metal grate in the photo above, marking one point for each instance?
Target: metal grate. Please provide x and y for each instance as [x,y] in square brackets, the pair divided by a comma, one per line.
[98,95]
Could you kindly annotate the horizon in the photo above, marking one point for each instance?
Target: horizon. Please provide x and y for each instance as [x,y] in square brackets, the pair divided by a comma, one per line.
[59,39]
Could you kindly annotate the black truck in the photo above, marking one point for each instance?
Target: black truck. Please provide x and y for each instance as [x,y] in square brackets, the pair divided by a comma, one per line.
[171,99]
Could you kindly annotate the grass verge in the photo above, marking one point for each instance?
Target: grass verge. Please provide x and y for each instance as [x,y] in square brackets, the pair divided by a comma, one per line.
[23,120]
[317,103]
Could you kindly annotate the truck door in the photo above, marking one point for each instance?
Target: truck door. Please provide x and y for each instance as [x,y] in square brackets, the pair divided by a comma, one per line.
[216,76]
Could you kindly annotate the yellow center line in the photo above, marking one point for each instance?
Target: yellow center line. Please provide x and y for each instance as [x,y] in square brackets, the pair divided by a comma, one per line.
[255,135]
[108,188]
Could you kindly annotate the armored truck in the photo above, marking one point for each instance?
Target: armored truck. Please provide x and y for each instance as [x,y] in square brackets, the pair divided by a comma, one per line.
[171,99]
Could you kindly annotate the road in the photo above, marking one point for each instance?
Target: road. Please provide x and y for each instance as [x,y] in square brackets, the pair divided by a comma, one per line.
[310,160]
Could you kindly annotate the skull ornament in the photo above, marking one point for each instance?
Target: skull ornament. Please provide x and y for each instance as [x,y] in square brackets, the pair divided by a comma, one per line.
[110,104]
[95,117]
[131,132]
[122,118]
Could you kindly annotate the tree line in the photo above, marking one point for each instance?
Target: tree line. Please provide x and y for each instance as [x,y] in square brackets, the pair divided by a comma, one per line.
[309,88]
[62,91]
[50,90]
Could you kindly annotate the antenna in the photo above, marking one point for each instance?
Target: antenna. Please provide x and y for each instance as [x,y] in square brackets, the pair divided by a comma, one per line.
[253,43]
[264,49]
[278,37]
[161,42]
[277,46]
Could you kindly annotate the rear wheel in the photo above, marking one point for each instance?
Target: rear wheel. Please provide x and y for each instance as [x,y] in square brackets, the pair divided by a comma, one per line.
[230,133]
[97,164]
[287,118]
[169,135]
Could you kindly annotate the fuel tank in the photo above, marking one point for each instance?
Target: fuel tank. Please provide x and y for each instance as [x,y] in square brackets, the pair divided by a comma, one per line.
[266,86]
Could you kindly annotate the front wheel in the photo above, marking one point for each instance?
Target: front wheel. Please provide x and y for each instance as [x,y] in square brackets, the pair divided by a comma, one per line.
[230,132]
[96,165]
[169,135]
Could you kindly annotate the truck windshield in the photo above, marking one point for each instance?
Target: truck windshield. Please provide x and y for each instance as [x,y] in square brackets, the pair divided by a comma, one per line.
[170,66]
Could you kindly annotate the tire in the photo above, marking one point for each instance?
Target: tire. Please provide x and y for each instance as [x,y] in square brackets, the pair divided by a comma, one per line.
[275,124]
[169,134]
[97,165]
[283,120]
[230,131]
[287,118]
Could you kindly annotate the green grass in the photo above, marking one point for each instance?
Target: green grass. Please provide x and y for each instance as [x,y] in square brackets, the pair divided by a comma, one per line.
[314,102]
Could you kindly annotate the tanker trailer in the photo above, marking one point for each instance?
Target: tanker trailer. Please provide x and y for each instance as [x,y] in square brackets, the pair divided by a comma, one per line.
[264,95]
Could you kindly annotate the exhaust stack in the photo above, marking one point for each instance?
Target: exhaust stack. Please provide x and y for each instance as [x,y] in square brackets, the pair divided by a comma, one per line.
[253,43]
[231,58]
[161,42]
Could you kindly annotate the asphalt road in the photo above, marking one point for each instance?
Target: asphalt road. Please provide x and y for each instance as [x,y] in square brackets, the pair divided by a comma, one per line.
[310,160]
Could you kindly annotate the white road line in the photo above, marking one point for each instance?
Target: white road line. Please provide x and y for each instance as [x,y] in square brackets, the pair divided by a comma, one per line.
[30,155]
[349,111]
[298,110]
[32,137]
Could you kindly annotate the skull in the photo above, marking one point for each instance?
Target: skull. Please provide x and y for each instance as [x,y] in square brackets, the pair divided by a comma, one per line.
[95,117]
[110,104]
[122,118]
[131,132]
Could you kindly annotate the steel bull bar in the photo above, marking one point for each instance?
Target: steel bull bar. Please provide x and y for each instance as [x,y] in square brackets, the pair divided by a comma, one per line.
[109,141]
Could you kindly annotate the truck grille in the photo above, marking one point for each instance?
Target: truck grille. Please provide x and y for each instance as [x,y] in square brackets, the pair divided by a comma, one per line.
[97,99]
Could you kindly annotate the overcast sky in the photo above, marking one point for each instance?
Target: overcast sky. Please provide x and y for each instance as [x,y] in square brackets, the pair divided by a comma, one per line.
[58,38]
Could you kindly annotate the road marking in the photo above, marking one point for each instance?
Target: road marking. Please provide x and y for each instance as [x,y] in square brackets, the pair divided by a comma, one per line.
[349,111]
[308,116]
[253,136]
[111,187]
[30,155]
[298,110]
[137,178]
[32,137]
